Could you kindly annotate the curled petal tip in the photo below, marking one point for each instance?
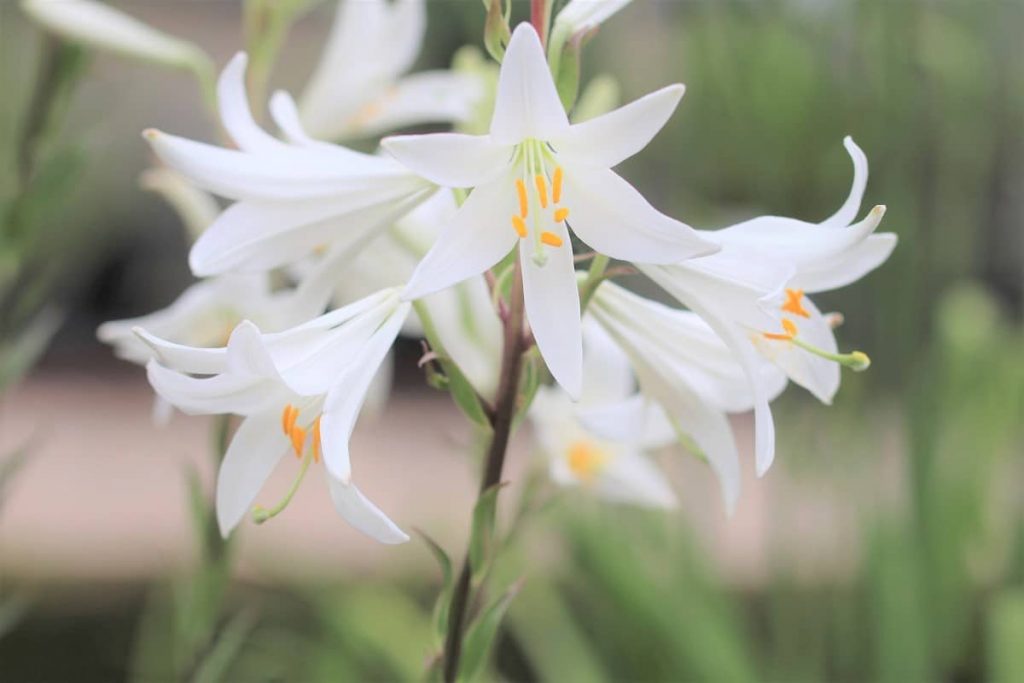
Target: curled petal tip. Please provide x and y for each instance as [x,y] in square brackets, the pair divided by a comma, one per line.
[878,211]
[151,134]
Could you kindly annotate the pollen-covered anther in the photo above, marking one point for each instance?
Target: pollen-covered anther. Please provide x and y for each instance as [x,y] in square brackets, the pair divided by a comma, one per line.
[520,226]
[550,239]
[542,190]
[316,440]
[561,214]
[288,417]
[298,437]
[790,331]
[585,460]
[794,303]
[524,204]
[556,185]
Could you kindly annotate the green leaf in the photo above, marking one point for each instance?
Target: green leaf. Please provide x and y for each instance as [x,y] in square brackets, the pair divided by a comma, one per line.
[464,394]
[480,635]
[226,648]
[440,613]
[482,537]
[1006,633]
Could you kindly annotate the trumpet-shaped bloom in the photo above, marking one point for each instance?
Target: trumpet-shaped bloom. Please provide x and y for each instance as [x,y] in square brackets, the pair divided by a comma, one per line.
[612,463]
[753,293]
[291,197]
[358,88]
[534,175]
[299,391]
[682,365]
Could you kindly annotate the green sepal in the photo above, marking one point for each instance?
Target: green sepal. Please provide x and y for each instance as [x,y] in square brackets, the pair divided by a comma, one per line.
[481,633]
[496,31]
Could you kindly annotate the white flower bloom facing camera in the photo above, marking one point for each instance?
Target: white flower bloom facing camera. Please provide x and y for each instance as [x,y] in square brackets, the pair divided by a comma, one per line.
[300,391]
[535,175]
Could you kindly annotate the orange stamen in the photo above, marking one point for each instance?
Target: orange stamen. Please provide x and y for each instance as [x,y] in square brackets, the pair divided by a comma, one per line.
[520,225]
[542,190]
[550,239]
[316,440]
[288,417]
[523,204]
[789,326]
[298,436]
[561,214]
[556,185]
[794,303]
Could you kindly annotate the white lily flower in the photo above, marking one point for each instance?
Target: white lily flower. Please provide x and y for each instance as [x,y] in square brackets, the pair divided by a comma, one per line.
[299,391]
[99,25]
[291,198]
[617,469]
[531,171]
[357,89]
[752,293]
[683,365]
[585,15]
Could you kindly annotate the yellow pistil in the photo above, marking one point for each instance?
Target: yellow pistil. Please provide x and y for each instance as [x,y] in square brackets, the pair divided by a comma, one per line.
[542,190]
[520,226]
[556,185]
[550,239]
[790,331]
[585,460]
[794,303]
[524,206]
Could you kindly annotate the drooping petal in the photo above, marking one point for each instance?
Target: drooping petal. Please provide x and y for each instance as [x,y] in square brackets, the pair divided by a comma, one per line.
[190,359]
[585,15]
[363,515]
[634,420]
[255,450]
[285,113]
[847,213]
[234,110]
[473,240]
[425,97]
[346,397]
[848,267]
[614,219]
[451,159]
[553,311]
[610,139]
[527,103]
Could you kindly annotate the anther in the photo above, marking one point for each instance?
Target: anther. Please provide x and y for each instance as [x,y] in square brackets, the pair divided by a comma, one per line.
[520,225]
[561,214]
[789,326]
[556,185]
[794,303]
[316,440]
[298,437]
[288,417]
[550,239]
[523,204]
[542,190]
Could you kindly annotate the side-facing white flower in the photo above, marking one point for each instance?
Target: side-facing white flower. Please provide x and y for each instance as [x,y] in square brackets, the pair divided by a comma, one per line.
[617,469]
[528,174]
[291,198]
[299,391]
[358,87]
[685,367]
[99,25]
[752,293]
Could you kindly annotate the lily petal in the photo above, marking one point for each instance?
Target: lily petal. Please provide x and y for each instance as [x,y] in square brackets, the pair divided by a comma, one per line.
[610,139]
[255,450]
[527,104]
[630,477]
[234,110]
[848,267]
[357,510]
[614,219]
[476,238]
[553,310]
[345,399]
[424,97]
[848,211]
[451,159]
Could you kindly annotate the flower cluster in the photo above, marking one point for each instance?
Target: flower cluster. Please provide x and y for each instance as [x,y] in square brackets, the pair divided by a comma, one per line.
[325,255]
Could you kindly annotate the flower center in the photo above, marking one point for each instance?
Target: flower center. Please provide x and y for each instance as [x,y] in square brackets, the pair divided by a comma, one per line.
[297,436]
[856,360]
[585,460]
[539,193]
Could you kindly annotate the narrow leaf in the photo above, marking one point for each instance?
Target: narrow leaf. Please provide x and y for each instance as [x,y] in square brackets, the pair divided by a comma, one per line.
[480,635]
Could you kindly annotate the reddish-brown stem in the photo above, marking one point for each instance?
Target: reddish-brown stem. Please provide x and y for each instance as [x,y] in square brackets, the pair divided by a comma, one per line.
[539,19]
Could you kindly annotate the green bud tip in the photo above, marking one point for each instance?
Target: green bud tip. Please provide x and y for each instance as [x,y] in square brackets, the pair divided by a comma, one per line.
[260,514]
[859,361]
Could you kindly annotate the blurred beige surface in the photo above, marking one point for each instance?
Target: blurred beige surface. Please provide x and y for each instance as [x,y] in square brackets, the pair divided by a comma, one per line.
[103,496]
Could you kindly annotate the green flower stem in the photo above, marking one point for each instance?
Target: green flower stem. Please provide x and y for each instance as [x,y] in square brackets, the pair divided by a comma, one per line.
[594,276]
[503,416]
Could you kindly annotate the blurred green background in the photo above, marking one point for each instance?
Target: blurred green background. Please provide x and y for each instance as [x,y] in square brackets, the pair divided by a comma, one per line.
[904,560]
